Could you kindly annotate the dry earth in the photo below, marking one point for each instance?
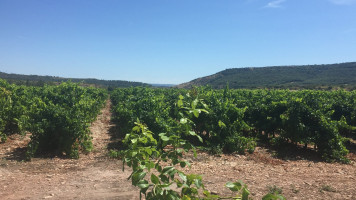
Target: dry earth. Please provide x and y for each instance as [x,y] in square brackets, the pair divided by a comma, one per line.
[297,179]
[95,176]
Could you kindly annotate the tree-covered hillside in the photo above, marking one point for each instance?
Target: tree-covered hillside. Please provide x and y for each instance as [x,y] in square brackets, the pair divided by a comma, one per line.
[294,77]
[40,80]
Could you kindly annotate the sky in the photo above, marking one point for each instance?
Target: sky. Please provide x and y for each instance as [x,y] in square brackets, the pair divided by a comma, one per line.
[171,41]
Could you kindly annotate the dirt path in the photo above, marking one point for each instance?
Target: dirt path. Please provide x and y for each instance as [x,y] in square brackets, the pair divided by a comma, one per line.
[93,176]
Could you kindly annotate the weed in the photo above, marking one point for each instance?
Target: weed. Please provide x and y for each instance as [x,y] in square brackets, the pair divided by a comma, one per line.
[294,189]
[274,189]
[327,188]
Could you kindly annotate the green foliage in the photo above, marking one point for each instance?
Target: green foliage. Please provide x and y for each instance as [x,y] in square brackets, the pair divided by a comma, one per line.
[14,112]
[156,180]
[5,102]
[57,116]
[234,120]
[273,197]
[40,81]
[144,157]
[150,106]
[240,144]
[299,117]
[156,158]
[324,77]
[223,120]
[61,119]
[274,193]
[220,122]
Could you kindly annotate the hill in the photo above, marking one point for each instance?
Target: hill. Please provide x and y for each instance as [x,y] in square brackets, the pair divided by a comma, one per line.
[293,77]
[40,80]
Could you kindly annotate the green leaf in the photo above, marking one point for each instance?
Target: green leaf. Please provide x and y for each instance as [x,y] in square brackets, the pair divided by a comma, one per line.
[221,124]
[150,165]
[164,179]
[273,197]
[137,177]
[245,193]
[203,110]
[158,167]
[198,182]
[155,179]
[127,136]
[235,187]
[195,153]
[194,103]
[196,112]
[148,151]
[185,197]
[180,103]
[164,138]
[135,129]
[192,133]
[209,195]
[179,183]
[182,176]
[143,184]
[167,170]
[183,120]
[133,154]
[200,139]
[182,164]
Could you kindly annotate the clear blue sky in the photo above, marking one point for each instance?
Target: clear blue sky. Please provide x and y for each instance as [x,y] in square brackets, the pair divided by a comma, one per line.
[171,41]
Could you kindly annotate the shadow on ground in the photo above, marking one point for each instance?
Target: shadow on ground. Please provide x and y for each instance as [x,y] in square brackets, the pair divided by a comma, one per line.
[116,137]
[18,154]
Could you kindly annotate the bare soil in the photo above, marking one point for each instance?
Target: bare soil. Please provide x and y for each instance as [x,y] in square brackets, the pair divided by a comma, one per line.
[95,176]
[261,172]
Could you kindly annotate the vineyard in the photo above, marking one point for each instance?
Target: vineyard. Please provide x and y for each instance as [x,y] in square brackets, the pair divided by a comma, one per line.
[161,127]
[235,120]
[57,116]
[168,122]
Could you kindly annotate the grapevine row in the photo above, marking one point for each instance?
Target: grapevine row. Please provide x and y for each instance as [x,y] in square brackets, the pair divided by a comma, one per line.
[237,119]
[58,117]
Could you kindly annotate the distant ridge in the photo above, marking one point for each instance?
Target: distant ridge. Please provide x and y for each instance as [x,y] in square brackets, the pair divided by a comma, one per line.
[40,80]
[302,76]
[162,85]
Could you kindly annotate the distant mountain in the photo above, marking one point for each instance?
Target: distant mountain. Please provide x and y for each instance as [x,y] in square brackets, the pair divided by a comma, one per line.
[303,76]
[40,80]
[162,85]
